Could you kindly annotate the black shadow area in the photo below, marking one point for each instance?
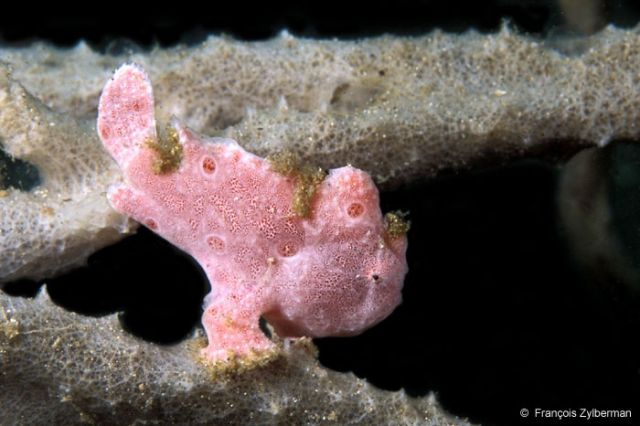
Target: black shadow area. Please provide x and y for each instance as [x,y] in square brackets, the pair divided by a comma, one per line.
[157,288]
[495,318]
[263,20]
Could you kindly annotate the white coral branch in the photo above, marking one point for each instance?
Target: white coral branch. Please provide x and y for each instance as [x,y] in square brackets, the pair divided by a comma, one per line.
[399,108]
[57,367]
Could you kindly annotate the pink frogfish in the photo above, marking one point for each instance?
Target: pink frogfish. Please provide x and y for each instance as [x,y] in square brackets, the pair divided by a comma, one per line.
[334,270]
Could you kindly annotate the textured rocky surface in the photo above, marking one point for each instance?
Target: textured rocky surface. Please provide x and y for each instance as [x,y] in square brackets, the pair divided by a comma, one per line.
[402,107]
[59,367]
[399,108]
[66,218]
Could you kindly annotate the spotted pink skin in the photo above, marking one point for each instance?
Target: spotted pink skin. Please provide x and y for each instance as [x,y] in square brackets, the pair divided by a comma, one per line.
[334,273]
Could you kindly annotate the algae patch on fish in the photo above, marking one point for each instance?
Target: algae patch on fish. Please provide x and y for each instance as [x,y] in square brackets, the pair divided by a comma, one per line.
[307,179]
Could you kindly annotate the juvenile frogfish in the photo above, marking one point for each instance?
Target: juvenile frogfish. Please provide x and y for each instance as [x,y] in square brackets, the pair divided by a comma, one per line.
[335,270]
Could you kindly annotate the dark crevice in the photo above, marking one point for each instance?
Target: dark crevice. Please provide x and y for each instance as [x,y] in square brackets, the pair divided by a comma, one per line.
[156,288]
[624,169]
[16,173]
[22,288]
[265,327]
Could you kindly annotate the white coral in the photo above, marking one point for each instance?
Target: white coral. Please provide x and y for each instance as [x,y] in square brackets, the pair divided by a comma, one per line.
[58,367]
[400,108]
[67,217]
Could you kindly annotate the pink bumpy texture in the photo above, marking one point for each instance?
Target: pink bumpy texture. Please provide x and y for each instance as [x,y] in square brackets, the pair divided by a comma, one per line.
[334,273]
